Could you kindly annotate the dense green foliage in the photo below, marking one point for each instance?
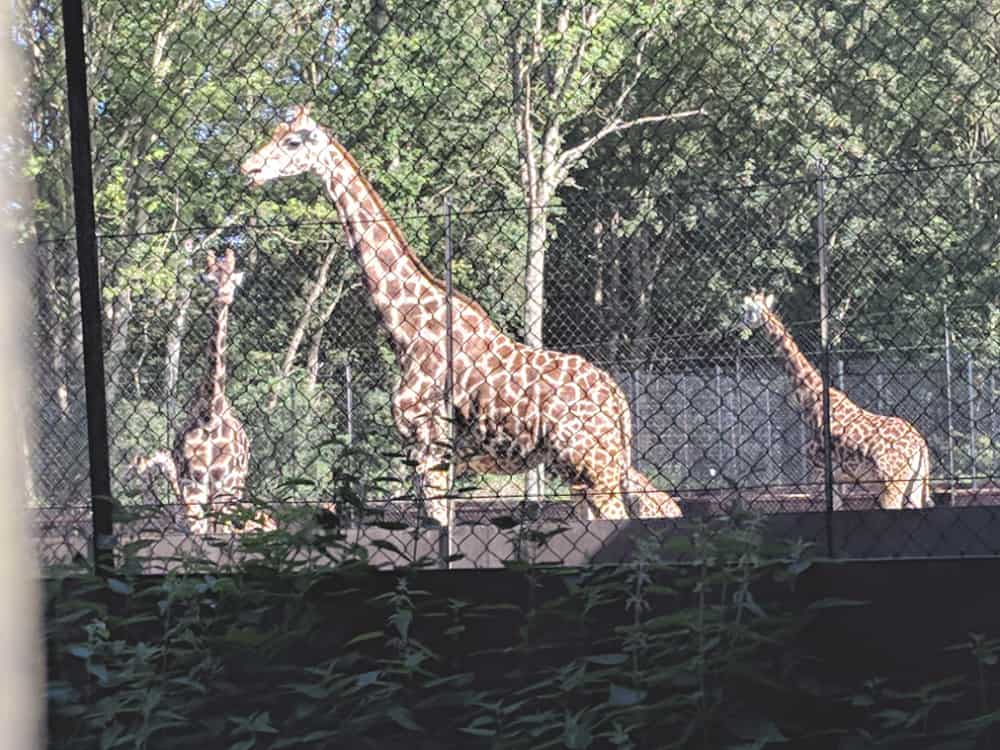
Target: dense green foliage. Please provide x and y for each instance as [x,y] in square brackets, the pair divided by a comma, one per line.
[653,234]
[275,653]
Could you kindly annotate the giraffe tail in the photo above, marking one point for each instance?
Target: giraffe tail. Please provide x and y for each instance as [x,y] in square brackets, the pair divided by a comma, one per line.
[925,477]
[640,495]
[918,484]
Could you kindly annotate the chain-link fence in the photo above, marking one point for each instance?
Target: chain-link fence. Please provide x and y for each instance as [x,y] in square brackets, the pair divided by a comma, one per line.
[611,180]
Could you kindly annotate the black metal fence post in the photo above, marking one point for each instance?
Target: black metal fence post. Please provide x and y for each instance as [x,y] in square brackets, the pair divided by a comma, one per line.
[949,403]
[824,333]
[970,376]
[449,377]
[90,285]
[349,398]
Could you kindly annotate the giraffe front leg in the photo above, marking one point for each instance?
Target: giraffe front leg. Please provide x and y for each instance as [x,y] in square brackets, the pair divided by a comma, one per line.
[420,418]
[605,505]
[431,456]
[604,497]
[196,506]
[433,486]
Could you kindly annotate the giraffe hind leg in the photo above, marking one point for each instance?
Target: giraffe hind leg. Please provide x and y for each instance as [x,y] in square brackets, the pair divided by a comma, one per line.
[893,492]
[605,504]
[918,486]
[433,490]
[581,502]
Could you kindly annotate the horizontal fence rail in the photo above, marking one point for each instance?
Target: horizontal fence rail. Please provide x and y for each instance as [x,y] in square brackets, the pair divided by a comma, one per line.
[472,285]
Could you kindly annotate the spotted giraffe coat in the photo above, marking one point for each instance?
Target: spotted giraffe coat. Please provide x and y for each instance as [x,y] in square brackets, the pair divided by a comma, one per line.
[515,406]
[882,453]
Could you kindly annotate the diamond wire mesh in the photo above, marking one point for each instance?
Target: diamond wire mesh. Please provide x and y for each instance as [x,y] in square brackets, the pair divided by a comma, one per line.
[651,239]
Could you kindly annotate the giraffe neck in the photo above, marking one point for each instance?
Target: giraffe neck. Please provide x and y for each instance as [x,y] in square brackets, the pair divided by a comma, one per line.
[807,384]
[214,389]
[403,290]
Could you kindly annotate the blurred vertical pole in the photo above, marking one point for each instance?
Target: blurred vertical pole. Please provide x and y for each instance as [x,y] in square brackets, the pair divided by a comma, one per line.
[90,285]
[22,725]
[970,379]
[824,334]
[449,374]
[686,409]
[949,404]
[777,473]
[840,374]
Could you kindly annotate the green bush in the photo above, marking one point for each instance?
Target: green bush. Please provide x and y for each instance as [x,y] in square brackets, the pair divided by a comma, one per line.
[304,645]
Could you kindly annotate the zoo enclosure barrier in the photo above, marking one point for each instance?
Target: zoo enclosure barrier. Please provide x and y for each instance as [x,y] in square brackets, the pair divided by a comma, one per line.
[647,287]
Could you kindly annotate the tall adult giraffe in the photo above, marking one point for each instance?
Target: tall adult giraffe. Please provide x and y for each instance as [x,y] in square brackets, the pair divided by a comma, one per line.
[867,449]
[515,406]
[208,465]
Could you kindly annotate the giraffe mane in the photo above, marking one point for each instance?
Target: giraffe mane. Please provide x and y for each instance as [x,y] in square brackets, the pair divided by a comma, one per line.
[394,229]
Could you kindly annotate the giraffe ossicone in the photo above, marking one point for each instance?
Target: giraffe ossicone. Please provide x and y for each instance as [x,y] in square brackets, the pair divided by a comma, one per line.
[515,406]
[887,454]
[208,466]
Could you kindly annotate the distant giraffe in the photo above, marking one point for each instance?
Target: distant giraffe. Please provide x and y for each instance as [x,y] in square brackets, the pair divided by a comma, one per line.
[867,449]
[208,466]
[516,407]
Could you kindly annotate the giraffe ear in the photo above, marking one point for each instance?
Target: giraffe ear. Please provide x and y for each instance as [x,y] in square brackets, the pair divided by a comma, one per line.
[300,119]
[238,277]
[769,301]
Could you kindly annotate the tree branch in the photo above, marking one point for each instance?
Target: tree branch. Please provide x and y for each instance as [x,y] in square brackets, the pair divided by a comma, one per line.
[316,289]
[312,359]
[570,156]
[523,130]
[571,72]
[637,70]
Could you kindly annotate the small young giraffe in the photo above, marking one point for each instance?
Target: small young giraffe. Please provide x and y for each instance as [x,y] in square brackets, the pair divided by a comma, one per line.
[515,406]
[208,466]
[886,453]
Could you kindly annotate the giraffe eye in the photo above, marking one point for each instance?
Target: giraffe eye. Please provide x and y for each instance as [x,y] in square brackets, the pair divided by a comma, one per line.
[292,143]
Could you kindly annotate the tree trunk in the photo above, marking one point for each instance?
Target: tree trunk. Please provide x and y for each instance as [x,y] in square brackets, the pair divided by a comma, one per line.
[299,333]
[312,359]
[534,277]
[175,338]
[534,312]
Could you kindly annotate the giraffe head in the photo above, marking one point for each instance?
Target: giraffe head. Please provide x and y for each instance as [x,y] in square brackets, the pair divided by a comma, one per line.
[221,275]
[296,146]
[757,306]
